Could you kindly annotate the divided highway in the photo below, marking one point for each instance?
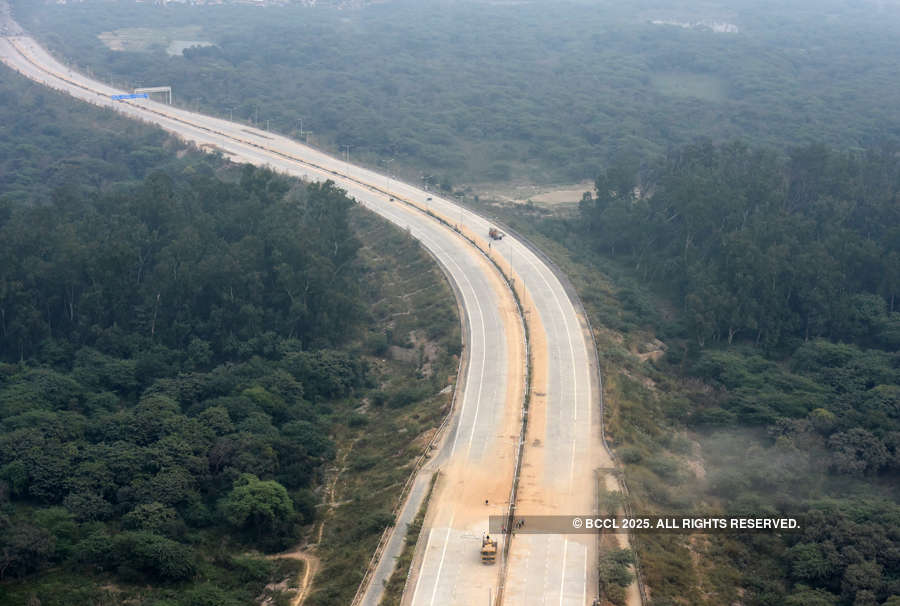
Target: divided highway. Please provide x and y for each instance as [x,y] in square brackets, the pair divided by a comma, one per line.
[476,455]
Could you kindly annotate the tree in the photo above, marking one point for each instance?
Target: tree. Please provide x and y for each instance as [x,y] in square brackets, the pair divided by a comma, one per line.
[152,517]
[809,563]
[24,549]
[172,485]
[862,577]
[217,419]
[807,596]
[858,451]
[260,505]
[159,557]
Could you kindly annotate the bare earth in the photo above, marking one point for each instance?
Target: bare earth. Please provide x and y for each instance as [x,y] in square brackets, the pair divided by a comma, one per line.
[310,568]
[548,196]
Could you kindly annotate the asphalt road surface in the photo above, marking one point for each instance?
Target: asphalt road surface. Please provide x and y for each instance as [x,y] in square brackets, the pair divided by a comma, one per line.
[476,455]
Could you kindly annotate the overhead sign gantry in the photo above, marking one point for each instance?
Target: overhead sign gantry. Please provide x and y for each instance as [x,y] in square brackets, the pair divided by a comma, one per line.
[167,90]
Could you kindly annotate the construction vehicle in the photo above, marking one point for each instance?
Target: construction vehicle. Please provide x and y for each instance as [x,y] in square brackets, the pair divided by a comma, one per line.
[495,234]
[488,550]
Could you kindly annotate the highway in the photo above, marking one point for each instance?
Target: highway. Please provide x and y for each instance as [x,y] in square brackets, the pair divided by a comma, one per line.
[476,455]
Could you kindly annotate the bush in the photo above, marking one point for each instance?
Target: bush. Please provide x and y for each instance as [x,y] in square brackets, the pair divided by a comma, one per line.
[372,523]
[156,556]
[251,569]
[305,502]
[377,344]
[664,467]
[407,394]
[630,455]
[357,420]
[208,595]
[614,571]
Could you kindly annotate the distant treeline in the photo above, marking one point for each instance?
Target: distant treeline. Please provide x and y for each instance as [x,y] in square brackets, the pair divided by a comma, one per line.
[473,91]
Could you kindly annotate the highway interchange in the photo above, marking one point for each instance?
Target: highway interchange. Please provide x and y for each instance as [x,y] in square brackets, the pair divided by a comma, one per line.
[476,455]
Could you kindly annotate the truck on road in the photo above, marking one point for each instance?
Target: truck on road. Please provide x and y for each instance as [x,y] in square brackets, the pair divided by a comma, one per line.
[488,550]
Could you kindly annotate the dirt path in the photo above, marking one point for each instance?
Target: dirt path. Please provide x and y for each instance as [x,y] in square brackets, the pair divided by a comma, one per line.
[332,488]
[311,562]
[311,565]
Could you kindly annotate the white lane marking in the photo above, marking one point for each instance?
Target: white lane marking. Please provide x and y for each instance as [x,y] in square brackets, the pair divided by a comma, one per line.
[442,253]
[526,254]
[546,591]
[574,370]
[573,446]
[419,576]
[480,384]
[437,577]
[559,306]
[584,585]
[562,579]
[478,393]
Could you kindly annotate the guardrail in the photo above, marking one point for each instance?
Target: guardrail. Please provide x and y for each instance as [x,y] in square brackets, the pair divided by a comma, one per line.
[579,305]
[510,282]
[420,462]
[434,480]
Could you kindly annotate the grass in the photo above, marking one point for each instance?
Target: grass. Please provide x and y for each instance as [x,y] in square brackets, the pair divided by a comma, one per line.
[142,39]
[696,86]
[413,349]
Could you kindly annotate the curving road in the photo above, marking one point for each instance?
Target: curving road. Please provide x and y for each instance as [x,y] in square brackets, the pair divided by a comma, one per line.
[477,455]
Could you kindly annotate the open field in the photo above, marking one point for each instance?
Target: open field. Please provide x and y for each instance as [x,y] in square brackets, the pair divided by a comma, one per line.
[145,39]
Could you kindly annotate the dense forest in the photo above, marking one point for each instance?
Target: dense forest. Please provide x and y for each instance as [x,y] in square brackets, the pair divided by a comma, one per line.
[491,91]
[180,342]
